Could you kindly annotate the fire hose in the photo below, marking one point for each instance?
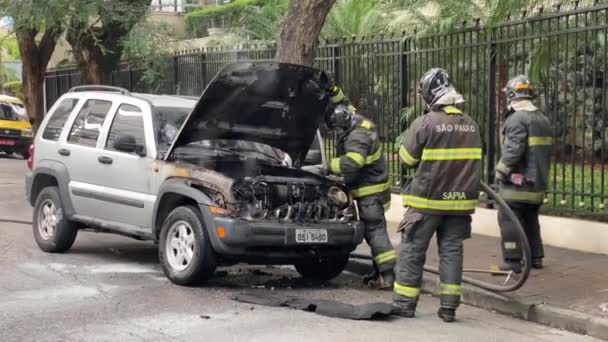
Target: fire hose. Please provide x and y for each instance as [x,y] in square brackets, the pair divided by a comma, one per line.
[508,286]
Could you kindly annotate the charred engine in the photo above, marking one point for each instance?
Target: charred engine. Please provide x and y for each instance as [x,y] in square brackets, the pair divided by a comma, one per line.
[288,199]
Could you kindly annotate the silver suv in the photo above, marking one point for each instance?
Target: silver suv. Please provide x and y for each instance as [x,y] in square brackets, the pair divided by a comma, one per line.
[214,181]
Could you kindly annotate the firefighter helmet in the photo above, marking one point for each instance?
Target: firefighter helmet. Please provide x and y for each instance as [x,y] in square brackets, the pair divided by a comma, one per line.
[341,117]
[519,87]
[434,84]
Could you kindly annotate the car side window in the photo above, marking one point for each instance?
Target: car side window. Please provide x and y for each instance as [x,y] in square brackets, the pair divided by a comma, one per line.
[89,122]
[129,121]
[54,126]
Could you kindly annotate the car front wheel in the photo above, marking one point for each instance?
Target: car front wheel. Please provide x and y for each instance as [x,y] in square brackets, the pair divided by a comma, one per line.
[325,268]
[52,230]
[185,253]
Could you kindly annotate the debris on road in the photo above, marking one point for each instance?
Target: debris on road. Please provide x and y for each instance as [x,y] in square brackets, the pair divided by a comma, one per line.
[324,307]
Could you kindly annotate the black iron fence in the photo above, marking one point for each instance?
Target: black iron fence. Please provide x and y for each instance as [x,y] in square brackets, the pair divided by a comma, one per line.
[565,52]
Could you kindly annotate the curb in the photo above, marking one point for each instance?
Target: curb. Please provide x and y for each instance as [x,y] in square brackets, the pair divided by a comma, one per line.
[541,313]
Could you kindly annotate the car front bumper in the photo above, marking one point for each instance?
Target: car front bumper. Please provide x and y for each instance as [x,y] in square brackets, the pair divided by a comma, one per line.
[273,241]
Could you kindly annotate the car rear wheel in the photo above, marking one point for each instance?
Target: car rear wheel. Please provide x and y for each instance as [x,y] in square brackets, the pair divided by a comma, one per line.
[52,230]
[322,268]
[186,255]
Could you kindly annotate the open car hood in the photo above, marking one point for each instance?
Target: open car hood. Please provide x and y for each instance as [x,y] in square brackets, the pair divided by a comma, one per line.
[280,105]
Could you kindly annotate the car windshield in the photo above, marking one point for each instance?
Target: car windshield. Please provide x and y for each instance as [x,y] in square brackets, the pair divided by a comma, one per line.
[12,112]
[241,146]
[168,122]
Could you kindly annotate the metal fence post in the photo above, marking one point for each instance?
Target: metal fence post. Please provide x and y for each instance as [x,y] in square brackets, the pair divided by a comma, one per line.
[130,74]
[203,57]
[336,62]
[176,75]
[491,129]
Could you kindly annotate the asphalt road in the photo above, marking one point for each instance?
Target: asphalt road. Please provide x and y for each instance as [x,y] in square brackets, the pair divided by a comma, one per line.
[110,288]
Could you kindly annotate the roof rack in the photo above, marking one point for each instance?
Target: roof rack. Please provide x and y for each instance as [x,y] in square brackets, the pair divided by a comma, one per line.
[120,90]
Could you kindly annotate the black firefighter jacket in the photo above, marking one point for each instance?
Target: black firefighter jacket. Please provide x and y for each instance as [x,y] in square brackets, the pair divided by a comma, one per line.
[445,146]
[362,162]
[527,138]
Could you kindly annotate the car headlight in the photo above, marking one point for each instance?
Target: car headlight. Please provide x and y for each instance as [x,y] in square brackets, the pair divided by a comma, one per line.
[338,197]
[27,133]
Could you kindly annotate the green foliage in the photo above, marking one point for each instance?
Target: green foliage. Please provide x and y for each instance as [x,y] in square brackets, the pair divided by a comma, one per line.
[14,88]
[143,49]
[355,18]
[262,20]
[8,74]
[9,46]
[226,15]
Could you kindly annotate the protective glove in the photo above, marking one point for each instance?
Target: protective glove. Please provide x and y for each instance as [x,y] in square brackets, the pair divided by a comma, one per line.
[500,177]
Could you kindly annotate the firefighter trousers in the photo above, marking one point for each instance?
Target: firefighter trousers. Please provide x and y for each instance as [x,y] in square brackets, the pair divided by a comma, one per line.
[417,229]
[371,212]
[528,217]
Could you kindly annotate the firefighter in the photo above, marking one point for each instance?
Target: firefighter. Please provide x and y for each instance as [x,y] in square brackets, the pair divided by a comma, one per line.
[523,171]
[444,146]
[364,167]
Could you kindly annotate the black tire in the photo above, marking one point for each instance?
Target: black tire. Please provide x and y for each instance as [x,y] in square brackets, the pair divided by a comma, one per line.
[59,239]
[322,268]
[25,154]
[203,261]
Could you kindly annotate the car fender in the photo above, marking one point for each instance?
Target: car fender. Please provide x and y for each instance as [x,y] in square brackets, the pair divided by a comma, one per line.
[60,173]
[183,188]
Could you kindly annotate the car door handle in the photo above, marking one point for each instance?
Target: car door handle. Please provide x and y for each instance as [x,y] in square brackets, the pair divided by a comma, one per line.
[105,160]
[64,152]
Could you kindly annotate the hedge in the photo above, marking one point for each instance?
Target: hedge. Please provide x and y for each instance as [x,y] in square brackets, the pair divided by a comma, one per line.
[199,20]
[15,88]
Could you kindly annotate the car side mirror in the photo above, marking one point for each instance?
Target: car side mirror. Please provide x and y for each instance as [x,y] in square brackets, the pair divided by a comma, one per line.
[128,144]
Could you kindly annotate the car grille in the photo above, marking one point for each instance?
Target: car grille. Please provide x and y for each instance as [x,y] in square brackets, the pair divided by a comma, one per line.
[8,132]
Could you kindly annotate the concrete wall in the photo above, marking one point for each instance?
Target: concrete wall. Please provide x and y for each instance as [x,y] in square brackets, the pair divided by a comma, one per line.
[585,236]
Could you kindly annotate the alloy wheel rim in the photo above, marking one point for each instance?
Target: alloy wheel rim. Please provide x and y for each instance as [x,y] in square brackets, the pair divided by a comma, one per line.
[179,247]
[48,218]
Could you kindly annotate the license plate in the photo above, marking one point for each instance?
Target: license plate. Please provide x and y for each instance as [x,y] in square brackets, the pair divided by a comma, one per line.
[7,142]
[311,235]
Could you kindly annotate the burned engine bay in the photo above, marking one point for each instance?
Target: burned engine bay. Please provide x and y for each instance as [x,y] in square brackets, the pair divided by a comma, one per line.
[290,199]
[266,190]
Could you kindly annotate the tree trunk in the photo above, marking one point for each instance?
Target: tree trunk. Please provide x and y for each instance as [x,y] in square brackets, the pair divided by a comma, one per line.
[37,57]
[300,31]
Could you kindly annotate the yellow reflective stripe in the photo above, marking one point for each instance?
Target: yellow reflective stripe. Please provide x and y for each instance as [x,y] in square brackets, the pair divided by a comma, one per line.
[451,154]
[540,141]
[356,157]
[334,166]
[338,97]
[450,289]
[447,205]
[366,124]
[406,157]
[452,110]
[351,107]
[385,257]
[406,291]
[374,157]
[371,189]
[526,196]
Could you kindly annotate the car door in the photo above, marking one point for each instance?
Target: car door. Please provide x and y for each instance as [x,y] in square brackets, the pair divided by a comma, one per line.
[80,154]
[125,178]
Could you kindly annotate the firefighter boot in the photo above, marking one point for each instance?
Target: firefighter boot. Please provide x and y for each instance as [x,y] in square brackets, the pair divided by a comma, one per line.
[511,265]
[407,310]
[447,315]
[537,263]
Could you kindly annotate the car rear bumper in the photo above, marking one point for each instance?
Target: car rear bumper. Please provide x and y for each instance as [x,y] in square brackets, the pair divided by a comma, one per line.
[273,241]
[20,144]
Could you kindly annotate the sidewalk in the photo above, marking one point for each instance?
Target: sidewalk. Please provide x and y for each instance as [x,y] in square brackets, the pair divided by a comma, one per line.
[571,292]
